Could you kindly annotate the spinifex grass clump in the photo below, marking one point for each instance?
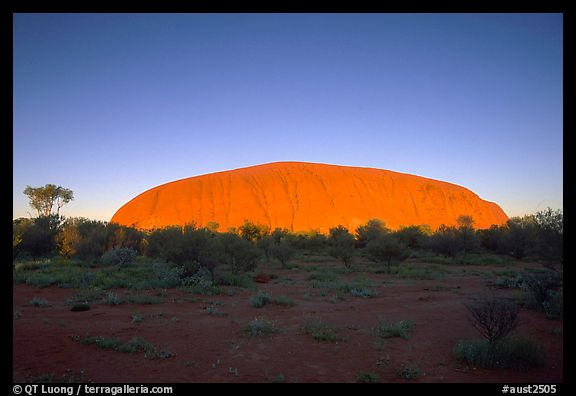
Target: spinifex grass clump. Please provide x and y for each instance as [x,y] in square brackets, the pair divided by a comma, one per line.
[511,352]
[544,292]
[409,371]
[263,298]
[119,257]
[320,331]
[134,345]
[401,329]
[112,298]
[260,327]
[39,302]
[260,299]
[367,378]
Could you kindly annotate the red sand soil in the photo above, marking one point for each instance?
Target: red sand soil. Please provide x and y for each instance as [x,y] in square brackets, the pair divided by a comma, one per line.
[213,348]
[303,196]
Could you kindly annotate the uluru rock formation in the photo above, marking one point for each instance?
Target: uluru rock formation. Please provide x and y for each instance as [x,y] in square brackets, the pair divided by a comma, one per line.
[302,196]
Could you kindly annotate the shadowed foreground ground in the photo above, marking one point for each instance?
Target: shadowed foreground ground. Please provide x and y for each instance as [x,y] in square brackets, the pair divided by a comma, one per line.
[202,337]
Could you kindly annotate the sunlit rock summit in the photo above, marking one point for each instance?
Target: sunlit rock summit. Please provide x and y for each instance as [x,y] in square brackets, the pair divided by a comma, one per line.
[302,196]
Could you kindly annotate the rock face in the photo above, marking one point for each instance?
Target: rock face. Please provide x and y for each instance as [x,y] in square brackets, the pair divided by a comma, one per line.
[303,196]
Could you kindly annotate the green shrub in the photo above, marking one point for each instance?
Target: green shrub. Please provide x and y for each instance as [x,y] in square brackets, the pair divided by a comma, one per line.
[39,302]
[282,251]
[40,280]
[119,257]
[283,301]
[514,282]
[137,345]
[134,345]
[421,272]
[322,276]
[163,275]
[240,254]
[320,331]
[88,293]
[77,278]
[386,248]
[444,241]
[341,245]
[112,299]
[554,307]
[260,327]
[78,307]
[260,299]
[401,329]
[252,232]
[213,310]
[409,371]
[102,342]
[144,299]
[236,280]
[367,378]
[278,379]
[509,353]
[370,231]
[543,292]
[362,292]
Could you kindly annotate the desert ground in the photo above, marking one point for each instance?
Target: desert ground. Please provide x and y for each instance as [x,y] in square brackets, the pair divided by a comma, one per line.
[321,319]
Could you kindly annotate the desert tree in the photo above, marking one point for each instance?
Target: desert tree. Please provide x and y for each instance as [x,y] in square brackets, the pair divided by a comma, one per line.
[444,241]
[550,235]
[212,226]
[68,238]
[39,237]
[491,238]
[466,237]
[282,251]
[465,221]
[240,254]
[369,231]
[43,199]
[414,236]
[19,228]
[387,248]
[520,236]
[252,231]
[88,239]
[341,244]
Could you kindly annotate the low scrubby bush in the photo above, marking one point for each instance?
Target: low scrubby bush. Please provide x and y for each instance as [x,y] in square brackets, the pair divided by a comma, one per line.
[510,353]
[409,371]
[401,329]
[39,302]
[260,299]
[543,292]
[260,327]
[320,331]
[119,257]
[367,378]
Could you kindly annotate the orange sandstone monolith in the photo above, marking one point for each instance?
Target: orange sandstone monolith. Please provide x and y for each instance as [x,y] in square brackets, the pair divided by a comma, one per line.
[302,196]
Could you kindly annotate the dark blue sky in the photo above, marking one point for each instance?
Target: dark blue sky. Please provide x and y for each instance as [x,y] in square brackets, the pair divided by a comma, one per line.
[110,105]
